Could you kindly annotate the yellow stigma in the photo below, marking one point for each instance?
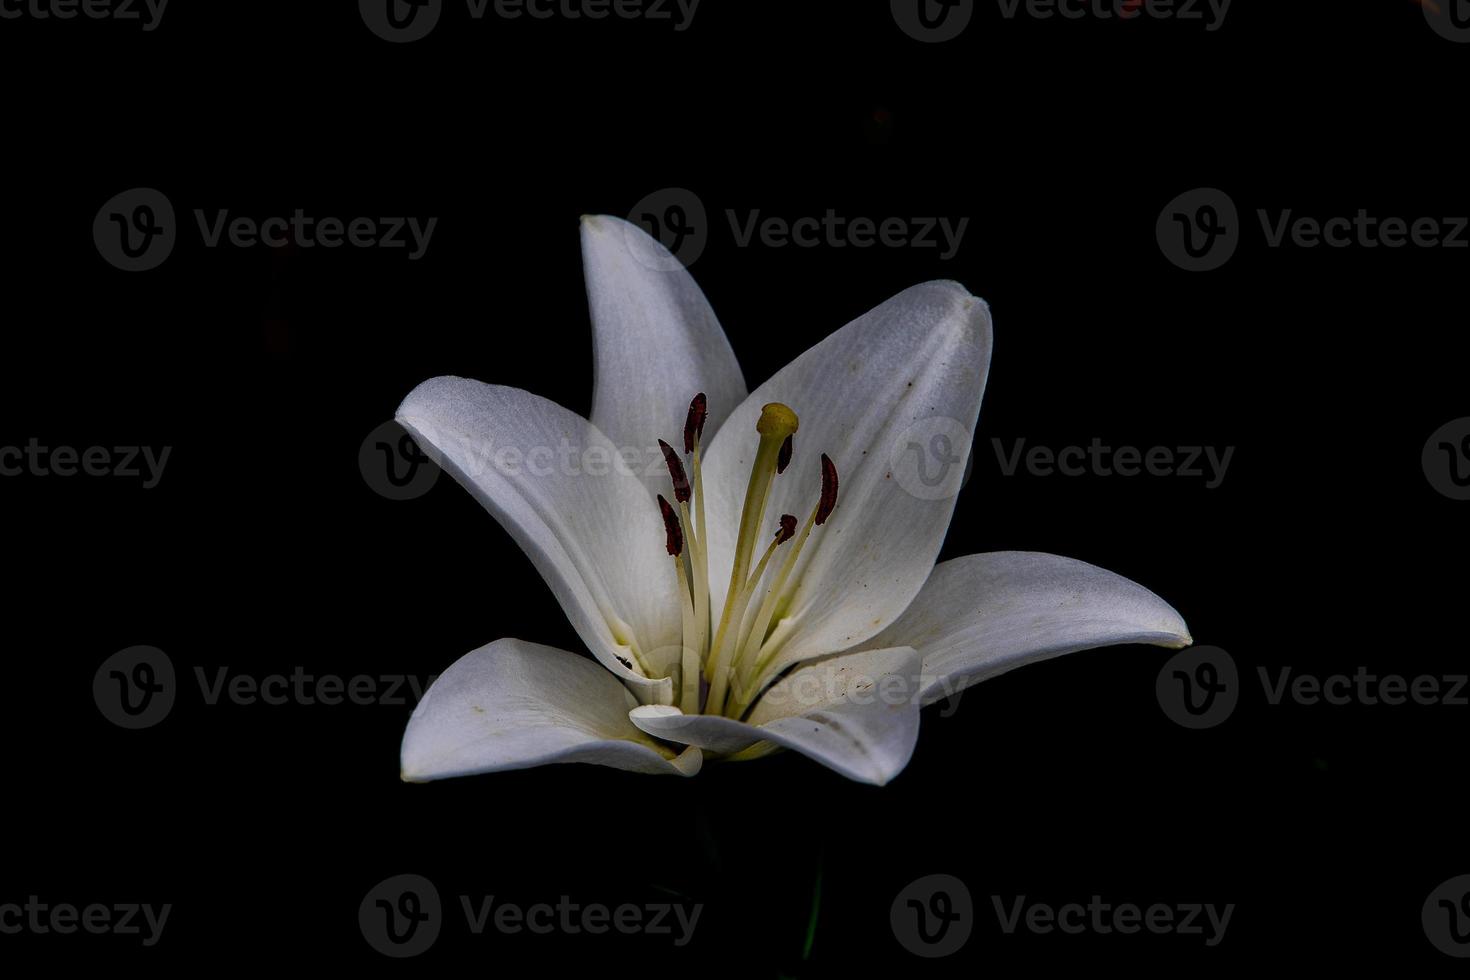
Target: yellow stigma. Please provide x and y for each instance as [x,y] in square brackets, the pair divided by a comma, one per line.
[776,421]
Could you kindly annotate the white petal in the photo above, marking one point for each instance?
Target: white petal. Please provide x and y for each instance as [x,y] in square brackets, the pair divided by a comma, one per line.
[513,705]
[558,487]
[657,342]
[983,615]
[909,370]
[857,713]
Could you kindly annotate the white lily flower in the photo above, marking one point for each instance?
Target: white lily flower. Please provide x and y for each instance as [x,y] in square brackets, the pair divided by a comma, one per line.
[765,607]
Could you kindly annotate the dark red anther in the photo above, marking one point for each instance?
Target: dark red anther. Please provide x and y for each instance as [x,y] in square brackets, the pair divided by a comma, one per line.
[787,530]
[694,424]
[674,533]
[829,490]
[783,458]
[676,472]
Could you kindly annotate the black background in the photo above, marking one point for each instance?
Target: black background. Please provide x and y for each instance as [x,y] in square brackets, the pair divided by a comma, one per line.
[263,549]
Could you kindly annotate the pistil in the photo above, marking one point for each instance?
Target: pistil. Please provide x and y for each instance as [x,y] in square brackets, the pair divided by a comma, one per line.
[776,424]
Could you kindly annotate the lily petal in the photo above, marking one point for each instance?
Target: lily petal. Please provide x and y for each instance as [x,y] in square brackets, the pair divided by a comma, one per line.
[513,705]
[857,713]
[911,369]
[982,615]
[657,341]
[556,484]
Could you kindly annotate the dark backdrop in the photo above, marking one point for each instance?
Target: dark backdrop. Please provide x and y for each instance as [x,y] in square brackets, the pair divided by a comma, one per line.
[264,550]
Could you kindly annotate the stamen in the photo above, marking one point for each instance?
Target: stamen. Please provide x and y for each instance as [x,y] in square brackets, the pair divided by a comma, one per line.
[754,640]
[688,654]
[674,535]
[783,458]
[694,422]
[785,531]
[829,490]
[676,472]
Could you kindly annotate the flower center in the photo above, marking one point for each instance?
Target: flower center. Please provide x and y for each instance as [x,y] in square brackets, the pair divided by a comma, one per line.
[725,658]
